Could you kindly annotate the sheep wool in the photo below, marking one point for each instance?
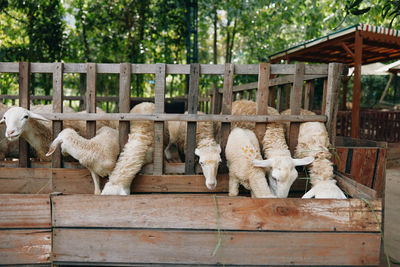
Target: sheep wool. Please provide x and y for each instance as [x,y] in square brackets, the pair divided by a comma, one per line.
[136,152]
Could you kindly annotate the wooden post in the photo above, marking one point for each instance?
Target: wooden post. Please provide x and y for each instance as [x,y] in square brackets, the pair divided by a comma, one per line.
[334,77]
[279,98]
[309,89]
[226,107]
[264,71]
[345,81]
[159,101]
[324,92]
[355,113]
[295,104]
[91,97]
[56,160]
[191,126]
[124,101]
[216,102]
[24,84]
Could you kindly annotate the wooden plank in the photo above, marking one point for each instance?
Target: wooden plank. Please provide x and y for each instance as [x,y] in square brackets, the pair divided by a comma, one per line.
[91,84]
[24,89]
[380,173]
[124,101]
[56,158]
[24,211]
[332,96]
[198,211]
[262,98]
[324,93]
[295,104]
[25,246]
[191,126]
[184,117]
[193,247]
[309,94]
[159,96]
[354,189]
[25,181]
[9,67]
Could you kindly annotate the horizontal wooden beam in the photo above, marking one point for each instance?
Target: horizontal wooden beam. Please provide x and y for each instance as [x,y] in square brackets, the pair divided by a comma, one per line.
[183,117]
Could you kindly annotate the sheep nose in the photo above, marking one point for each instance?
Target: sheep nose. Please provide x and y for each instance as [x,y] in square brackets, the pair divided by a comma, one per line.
[211,186]
[10,132]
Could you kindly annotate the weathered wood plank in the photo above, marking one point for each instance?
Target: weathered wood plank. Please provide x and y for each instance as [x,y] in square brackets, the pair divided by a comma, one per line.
[354,189]
[56,159]
[25,180]
[124,101]
[91,83]
[262,98]
[198,212]
[193,247]
[24,211]
[25,246]
[295,104]
[192,126]
[24,89]
[159,95]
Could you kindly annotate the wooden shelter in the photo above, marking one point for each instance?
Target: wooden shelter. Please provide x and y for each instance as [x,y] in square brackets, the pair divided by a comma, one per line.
[356,45]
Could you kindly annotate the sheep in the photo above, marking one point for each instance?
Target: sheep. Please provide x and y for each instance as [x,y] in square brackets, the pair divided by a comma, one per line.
[243,147]
[313,141]
[7,148]
[136,152]
[35,128]
[98,154]
[207,148]
[280,165]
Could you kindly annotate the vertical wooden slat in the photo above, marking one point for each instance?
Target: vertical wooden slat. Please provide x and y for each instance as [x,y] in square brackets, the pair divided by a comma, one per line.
[56,160]
[24,84]
[333,85]
[91,97]
[307,94]
[287,96]
[216,102]
[355,114]
[324,88]
[262,97]
[279,98]
[295,104]
[124,101]
[191,126]
[226,106]
[159,100]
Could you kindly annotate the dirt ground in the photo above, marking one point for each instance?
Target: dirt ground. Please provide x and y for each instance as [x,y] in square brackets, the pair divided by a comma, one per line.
[392,204]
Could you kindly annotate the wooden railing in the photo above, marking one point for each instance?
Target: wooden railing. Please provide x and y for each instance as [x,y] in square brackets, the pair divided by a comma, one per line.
[221,102]
[376,125]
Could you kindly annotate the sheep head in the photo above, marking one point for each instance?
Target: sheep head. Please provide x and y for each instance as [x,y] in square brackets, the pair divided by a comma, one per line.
[209,159]
[282,172]
[115,189]
[325,189]
[16,119]
[59,141]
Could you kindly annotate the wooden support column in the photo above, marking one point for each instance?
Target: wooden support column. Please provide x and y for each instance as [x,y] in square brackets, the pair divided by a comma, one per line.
[24,101]
[226,107]
[335,71]
[264,71]
[279,98]
[308,94]
[345,82]
[216,102]
[124,101]
[91,85]
[295,104]
[56,160]
[159,101]
[355,113]
[324,92]
[191,126]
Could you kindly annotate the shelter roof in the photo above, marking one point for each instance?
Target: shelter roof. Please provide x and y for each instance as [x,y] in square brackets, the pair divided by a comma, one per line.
[379,45]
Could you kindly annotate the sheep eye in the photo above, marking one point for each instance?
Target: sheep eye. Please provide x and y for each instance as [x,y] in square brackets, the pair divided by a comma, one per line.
[26,116]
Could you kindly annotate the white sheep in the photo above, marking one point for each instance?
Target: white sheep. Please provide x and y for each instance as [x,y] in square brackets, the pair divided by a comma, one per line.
[241,149]
[7,148]
[207,148]
[313,141]
[136,152]
[281,167]
[98,154]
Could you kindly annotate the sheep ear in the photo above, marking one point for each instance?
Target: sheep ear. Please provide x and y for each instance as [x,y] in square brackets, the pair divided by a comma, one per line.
[197,152]
[303,161]
[310,193]
[2,121]
[262,163]
[37,116]
[54,146]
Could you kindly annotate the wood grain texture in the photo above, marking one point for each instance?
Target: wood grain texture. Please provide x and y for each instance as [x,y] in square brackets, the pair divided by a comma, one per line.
[159,98]
[262,98]
[24,211]
[24,101]
[295,104]
[198,212]
[193,247]
[124,101]
[25,246]
[25,180]
[91,88]
[56,159]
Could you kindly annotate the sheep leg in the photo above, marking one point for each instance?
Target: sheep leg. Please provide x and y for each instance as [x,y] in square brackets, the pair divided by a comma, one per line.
[259,188]
[233,185]
[96,182]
